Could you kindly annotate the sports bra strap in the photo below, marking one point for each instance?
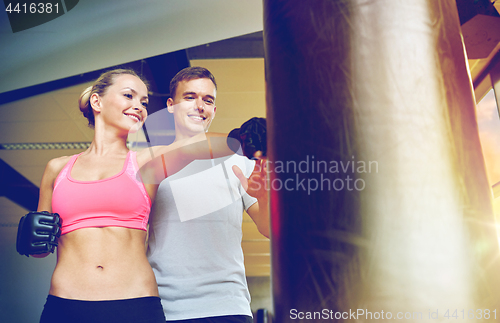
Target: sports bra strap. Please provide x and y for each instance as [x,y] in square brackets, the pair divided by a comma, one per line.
[132,171]
[64,172]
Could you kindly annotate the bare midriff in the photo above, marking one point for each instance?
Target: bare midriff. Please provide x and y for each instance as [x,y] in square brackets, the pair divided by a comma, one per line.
[103,264]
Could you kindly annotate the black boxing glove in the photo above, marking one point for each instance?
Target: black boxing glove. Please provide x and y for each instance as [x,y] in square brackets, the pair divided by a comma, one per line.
[252,135]
[38,232]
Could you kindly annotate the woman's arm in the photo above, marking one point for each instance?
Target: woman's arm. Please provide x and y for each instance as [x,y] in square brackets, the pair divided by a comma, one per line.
[158,162]
[52,169]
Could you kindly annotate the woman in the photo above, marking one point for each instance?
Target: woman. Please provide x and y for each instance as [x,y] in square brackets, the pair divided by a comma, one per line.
[102,273]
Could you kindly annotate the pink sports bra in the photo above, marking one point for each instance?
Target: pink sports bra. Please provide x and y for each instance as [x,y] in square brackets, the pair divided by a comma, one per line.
[117,201]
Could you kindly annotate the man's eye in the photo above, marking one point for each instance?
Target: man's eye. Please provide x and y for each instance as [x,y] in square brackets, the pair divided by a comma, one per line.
[211,102]
[189,97]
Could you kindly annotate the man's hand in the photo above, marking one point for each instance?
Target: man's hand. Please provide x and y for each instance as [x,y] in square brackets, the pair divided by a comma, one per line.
[256,184]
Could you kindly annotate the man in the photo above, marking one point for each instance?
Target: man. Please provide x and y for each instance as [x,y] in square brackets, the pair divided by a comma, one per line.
[195,230]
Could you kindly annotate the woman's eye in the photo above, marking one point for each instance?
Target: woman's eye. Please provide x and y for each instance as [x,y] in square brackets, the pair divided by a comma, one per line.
[145,104]
[129,96]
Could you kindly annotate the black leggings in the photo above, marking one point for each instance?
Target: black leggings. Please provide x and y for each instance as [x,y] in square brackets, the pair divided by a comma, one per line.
[134,310]
[218,319]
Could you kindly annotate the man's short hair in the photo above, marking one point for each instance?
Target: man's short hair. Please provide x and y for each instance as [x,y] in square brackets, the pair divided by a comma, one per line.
[188,74]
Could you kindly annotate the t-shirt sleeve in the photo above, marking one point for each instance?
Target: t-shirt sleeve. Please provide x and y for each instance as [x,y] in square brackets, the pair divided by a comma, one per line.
[248,201]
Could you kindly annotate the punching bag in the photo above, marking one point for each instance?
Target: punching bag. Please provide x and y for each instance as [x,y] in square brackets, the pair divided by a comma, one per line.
[380,205]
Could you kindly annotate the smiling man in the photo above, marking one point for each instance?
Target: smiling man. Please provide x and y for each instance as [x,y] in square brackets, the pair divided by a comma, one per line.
[195,229]
[193,104]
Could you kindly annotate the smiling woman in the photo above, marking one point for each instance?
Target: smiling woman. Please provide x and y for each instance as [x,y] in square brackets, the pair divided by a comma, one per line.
[100,87]
[102,274]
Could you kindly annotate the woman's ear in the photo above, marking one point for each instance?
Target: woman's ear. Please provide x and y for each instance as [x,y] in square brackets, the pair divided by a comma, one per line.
[95,102]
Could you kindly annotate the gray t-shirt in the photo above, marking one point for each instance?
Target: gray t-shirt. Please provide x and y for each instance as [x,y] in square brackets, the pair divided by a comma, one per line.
[195,240]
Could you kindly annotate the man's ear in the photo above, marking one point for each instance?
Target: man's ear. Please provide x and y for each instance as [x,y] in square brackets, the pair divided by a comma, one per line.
[170,105]
[213,117]
[213,114]
[95,102]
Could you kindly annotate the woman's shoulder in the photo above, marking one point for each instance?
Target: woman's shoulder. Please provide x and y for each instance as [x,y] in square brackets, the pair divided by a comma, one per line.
[59,162]
[54,166]
[52,170]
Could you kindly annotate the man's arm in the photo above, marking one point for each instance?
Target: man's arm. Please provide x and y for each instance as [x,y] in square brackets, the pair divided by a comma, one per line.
[260,215]
[256,186]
